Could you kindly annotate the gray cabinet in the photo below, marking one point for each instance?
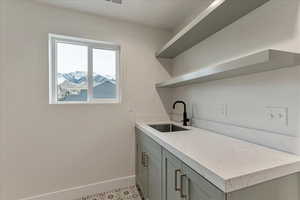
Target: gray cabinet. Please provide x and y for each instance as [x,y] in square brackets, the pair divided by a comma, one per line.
[181,182]
[162,176]
[154,174]
[198,188]
[141,171]
[172,170]
[148,167]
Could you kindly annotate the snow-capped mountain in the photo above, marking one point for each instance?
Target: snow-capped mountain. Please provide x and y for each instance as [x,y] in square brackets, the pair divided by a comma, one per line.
[80,78]
[76,77]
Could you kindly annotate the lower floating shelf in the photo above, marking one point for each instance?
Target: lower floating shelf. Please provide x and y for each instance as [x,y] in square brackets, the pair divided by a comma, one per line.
[259,62]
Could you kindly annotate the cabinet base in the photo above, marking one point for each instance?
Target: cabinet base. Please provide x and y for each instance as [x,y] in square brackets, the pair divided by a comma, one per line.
[140,192]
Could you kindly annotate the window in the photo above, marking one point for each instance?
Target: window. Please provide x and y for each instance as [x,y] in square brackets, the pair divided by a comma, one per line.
[83,71]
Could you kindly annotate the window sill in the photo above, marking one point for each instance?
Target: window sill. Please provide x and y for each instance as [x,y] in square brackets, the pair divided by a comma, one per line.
[84,103]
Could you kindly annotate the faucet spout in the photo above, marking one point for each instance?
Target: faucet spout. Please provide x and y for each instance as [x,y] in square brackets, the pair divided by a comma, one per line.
[182,102]
[185,119]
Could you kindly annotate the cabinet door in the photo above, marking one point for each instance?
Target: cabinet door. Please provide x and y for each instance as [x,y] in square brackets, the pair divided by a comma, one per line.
[172,170]
[144,173]
[141,169]
[195,187]
[153,163]
[138,161]
[151,168]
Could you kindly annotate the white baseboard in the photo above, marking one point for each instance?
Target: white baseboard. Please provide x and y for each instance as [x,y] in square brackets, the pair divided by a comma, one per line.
[77,192]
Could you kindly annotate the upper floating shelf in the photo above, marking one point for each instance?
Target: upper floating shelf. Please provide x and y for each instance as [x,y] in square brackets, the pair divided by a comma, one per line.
[259,62]
[217,16]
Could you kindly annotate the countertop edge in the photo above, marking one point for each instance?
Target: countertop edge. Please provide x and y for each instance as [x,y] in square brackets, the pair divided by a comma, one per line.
[225,185]
[262,176]
[203,171]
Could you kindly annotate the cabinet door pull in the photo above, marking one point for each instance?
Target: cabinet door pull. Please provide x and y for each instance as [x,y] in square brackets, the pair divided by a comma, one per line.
[146,160]
[143,159]
[181,186]
[176,179]
[188,189]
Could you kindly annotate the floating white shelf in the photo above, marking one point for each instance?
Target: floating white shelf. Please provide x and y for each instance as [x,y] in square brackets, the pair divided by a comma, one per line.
[259,62]
[218,15]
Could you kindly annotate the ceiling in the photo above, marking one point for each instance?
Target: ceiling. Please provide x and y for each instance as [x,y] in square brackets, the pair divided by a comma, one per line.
[166,14]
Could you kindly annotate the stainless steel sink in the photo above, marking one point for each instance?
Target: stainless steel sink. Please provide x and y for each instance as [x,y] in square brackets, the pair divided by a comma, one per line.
[167,127]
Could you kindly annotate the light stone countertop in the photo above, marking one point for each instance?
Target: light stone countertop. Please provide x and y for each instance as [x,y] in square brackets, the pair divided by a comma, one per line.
[228,163]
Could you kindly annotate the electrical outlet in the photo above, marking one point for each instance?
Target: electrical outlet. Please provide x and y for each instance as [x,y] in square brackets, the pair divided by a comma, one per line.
[278,115]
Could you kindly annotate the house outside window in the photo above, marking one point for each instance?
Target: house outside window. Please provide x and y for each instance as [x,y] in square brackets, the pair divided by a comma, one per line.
[83,71]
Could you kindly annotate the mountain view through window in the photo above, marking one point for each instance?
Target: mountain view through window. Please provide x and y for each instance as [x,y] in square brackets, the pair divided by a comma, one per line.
[72,73]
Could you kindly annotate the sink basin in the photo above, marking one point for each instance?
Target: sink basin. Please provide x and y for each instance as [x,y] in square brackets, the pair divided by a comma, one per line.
[167,127]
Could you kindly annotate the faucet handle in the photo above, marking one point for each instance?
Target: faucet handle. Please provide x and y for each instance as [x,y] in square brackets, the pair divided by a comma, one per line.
[186,122]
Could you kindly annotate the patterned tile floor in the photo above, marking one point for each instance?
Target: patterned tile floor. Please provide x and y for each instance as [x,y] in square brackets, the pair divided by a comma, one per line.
[129,193]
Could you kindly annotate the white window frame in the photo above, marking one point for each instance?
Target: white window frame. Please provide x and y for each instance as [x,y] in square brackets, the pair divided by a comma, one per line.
[91,44]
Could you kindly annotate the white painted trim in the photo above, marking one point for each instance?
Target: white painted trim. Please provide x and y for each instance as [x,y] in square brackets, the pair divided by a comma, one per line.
[94,101]
[91,44]
[77,192]
[83,41]
[90,74]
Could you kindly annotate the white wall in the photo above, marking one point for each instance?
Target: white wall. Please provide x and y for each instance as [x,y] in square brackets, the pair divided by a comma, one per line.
[53,147]
[1,92]
[274,25]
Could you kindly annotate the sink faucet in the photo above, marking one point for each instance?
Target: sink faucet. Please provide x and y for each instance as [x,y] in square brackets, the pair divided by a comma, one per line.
[185,119]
